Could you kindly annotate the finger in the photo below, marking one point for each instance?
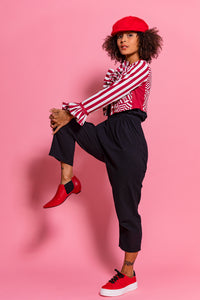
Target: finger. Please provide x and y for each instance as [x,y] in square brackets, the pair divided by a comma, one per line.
[56,130]
[52,109]
[55,115]
[53,125]
[53,120]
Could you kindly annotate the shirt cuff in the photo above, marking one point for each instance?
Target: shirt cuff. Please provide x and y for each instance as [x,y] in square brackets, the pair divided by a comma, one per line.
[77,110]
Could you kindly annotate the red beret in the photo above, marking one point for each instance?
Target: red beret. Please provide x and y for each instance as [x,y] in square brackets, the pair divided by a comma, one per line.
[129,24]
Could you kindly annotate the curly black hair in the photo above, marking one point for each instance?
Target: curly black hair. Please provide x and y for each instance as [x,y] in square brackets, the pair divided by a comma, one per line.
[150,45]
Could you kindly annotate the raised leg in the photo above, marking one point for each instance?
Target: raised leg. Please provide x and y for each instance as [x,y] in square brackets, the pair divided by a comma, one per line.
[66,173]
[62,149]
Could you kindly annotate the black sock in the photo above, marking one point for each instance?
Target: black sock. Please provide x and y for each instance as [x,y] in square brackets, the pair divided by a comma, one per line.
[69,187]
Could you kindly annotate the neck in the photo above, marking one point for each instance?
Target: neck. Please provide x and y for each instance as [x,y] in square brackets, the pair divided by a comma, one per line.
[133,58]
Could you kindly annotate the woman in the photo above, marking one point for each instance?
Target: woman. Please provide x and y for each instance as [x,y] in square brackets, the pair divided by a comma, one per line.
[119,141]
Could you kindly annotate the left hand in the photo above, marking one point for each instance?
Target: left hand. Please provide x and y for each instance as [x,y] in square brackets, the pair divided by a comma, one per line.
[59,118]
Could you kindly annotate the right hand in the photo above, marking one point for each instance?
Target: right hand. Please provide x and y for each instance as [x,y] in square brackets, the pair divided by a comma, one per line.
[59,118]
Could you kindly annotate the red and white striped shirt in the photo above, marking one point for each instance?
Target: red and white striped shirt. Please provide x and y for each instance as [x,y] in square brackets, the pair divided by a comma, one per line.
[125,88]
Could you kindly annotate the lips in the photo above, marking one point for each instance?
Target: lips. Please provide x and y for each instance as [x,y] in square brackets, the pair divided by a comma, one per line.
[123,47]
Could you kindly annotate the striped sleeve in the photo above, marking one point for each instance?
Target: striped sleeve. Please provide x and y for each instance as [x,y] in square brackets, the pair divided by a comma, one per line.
[129,81]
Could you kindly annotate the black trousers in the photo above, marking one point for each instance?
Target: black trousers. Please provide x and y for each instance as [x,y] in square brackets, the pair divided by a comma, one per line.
[120,143]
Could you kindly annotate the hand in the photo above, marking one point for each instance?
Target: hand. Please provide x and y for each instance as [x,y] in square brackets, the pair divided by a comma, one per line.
[59,118]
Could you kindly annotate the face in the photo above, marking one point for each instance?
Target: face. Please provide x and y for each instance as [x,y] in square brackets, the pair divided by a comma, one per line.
[128,44]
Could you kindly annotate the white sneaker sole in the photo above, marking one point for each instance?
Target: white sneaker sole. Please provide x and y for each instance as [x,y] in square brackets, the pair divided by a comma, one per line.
[118,292]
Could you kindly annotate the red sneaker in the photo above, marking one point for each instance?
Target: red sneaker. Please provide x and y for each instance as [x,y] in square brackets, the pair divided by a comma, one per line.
[61,194]
[119,285]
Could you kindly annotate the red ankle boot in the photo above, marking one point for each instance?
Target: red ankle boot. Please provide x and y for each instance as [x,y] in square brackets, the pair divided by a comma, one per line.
[61,194]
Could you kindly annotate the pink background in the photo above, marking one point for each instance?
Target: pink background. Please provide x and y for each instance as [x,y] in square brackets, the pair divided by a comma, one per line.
[50,52]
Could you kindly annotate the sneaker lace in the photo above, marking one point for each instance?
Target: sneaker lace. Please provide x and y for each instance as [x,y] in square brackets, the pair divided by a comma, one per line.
[116,277]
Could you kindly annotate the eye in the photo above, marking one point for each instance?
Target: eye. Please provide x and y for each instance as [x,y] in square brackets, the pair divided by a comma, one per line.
[130,34]
[119,36]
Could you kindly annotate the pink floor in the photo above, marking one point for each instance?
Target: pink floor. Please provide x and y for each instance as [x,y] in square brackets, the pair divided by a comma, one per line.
[60,284]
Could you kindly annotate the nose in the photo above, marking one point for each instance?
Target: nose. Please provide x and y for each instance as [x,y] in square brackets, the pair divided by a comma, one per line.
[123,38]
